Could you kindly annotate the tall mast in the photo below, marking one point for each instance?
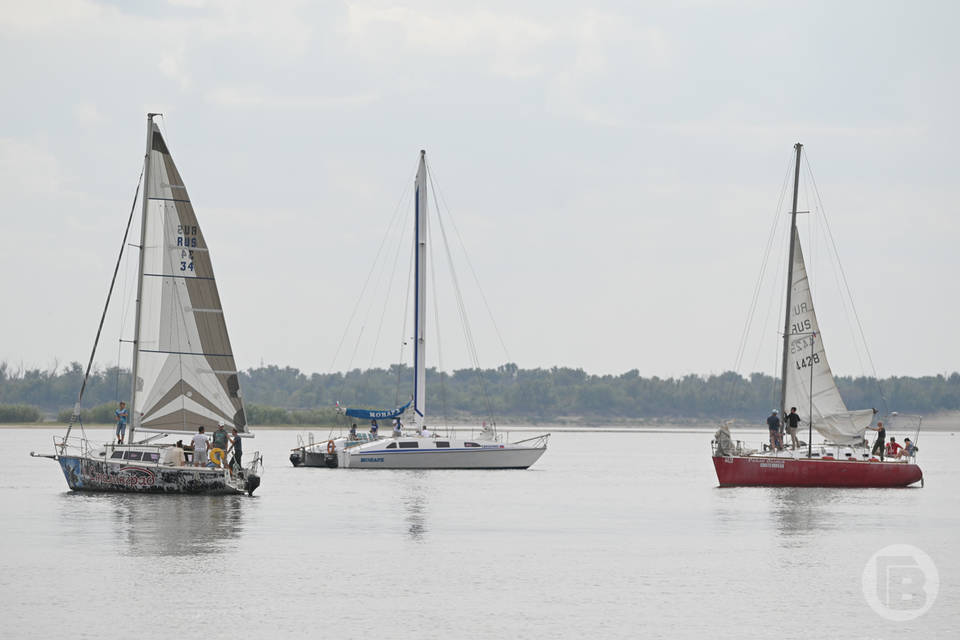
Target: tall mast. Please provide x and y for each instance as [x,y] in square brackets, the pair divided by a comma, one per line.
[786,318]
[134,422]
[420,293]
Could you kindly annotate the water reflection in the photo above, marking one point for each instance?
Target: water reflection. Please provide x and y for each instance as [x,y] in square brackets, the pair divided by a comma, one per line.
[147,525]
[414,498]
[798,512]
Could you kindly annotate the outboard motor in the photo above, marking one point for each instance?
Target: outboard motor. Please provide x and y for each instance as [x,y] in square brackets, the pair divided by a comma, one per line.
[296,459]
[253,481]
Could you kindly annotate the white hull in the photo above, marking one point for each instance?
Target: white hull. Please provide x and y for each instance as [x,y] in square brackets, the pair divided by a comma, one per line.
[490,457]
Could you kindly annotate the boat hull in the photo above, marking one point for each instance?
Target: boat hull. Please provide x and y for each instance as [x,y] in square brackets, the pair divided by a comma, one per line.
[761,471]
[85,474]
[480,458]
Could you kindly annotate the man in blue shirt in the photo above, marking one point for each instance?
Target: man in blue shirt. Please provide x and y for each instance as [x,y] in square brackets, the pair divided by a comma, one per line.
[121,422]
[773,423]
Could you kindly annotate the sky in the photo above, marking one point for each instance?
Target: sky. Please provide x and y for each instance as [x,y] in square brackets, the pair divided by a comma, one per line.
[613,168]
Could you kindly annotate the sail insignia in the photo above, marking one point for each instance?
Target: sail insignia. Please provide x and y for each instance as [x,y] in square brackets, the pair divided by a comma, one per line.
[809,379]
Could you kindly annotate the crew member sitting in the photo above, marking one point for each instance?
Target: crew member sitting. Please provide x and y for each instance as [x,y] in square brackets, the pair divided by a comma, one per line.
[893,448]
[909,449]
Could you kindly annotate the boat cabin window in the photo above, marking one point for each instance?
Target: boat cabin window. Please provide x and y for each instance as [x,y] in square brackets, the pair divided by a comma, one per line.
[443,445]
[392,445]
[409,445]
[133,455]
[117,454]
[470,444]
[151,456]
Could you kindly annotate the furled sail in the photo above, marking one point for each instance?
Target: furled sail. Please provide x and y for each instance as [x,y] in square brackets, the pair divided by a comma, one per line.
[807,365]
[186,375]
[373,414]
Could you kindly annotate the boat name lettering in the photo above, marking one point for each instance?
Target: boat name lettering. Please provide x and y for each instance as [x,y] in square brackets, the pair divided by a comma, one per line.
[371,459]
[772,465]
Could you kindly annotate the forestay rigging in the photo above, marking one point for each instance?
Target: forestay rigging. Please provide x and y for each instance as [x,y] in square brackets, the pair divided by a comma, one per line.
[185,371]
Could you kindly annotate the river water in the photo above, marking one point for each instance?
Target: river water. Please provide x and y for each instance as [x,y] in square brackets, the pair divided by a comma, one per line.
[609,535]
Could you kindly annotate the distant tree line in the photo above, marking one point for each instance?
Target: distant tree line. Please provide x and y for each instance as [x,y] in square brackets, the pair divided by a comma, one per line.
[276,395]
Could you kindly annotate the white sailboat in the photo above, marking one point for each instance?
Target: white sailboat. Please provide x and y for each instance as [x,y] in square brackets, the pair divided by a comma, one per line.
[184,374]
[418,448]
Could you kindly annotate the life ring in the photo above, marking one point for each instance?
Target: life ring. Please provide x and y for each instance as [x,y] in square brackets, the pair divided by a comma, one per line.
[216,456]
[331,447]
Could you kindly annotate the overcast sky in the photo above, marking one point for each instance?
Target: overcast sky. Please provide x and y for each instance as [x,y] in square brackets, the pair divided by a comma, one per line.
[614,170]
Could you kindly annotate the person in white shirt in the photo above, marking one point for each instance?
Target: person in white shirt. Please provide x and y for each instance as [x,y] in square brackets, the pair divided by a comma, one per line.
[200,446]
[425,432]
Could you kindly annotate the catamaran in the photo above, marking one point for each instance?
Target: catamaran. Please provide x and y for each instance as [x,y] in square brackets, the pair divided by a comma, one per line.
[843,459]
[417,447]
[183,371]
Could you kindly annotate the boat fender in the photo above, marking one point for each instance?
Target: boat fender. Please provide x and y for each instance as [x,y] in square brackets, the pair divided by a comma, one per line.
[874,459]
[216,456]
[331,446]
[828,458]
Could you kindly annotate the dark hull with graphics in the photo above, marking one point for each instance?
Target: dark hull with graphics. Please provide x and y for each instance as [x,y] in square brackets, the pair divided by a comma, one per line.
[84,474]
[760,471]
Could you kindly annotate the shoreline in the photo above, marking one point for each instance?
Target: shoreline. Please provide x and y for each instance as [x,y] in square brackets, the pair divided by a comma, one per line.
[941,422]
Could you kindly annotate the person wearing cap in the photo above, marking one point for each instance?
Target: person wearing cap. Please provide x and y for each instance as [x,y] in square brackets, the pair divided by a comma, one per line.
[220,442]
[773,423]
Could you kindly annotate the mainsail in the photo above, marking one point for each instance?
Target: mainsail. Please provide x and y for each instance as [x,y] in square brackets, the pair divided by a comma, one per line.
[807,368]
[186,375]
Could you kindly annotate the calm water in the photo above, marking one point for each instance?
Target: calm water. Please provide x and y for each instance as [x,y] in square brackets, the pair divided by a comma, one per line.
[609,535]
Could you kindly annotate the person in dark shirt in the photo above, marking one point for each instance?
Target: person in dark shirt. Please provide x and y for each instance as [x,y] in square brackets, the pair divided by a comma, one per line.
[773,423]
[236,445]
[793,419]
[881,438]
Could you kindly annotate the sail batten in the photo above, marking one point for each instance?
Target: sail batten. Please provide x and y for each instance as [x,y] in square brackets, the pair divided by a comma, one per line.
[186,373]
[809,379]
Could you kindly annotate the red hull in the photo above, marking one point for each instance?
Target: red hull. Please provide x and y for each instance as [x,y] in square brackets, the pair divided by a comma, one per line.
[786,472]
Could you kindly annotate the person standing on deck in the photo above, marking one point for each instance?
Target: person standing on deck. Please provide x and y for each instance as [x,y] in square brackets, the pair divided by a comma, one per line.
[773,423]
[373,429]
[220,442]
[200,446]
[236,445]
[121,422]
[397,428]
[792,420]
[881,438]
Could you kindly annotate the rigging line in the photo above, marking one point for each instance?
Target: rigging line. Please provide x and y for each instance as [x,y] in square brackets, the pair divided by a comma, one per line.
[403,331]
[771,235]
[461,307]
[366,283]
[843,302]
[436,332]
[386,302]
[846,285]
[106,305]
[466,256]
